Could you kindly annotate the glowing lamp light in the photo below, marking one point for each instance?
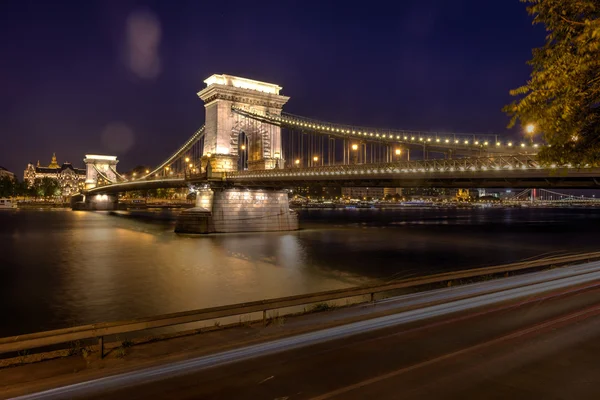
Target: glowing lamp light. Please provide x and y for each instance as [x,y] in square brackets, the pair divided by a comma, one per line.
[297,162]
[530,128]
[187,159]
[208,155]
[191,165]
[354,147]
[147,171]
[243,147]
[398,152]
[315,158]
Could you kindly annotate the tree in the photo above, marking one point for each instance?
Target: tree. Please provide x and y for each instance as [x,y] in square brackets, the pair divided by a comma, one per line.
[562,97]
[7,186]
[46,187]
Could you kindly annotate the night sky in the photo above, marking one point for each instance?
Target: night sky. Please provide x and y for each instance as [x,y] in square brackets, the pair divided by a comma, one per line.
[120,77]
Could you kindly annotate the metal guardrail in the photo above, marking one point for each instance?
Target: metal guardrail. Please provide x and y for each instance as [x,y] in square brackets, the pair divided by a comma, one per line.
[100,330]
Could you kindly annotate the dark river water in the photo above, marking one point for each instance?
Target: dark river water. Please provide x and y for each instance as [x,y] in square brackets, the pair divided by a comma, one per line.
[62,268]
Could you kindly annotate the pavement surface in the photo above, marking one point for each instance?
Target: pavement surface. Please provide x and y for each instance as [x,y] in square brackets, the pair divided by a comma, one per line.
[529,336]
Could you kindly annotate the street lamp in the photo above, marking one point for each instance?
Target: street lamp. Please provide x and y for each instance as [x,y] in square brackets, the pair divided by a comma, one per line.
[243,147]
[147,171]
[187,159]
[191,165]
[530,128]
[297,162]
[355,147]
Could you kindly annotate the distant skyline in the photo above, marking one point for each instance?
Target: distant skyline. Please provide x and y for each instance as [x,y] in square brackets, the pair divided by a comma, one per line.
[120,77]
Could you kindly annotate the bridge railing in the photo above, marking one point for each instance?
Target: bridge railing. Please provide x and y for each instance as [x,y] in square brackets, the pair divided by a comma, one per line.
[498,163]
[463,141]
[100,330]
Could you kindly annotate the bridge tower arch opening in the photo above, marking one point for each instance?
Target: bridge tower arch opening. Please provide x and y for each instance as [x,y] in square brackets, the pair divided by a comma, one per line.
[224,128]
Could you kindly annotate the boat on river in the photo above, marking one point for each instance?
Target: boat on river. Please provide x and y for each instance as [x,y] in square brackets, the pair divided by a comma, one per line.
[6,204]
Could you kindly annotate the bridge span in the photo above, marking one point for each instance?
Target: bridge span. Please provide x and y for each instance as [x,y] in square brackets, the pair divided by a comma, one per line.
[249,151]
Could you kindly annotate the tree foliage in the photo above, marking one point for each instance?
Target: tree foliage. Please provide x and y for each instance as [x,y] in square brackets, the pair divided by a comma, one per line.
[562,96]
[46,187]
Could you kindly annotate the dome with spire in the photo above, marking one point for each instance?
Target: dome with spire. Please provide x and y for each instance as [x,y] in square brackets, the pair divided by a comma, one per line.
[54,163]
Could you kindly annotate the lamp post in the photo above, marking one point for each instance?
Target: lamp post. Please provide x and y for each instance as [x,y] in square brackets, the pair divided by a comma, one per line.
[530,130]
[315,160]
[297,162]
[398,153]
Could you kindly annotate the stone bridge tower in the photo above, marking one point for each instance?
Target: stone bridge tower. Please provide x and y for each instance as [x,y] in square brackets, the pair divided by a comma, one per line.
[223,127]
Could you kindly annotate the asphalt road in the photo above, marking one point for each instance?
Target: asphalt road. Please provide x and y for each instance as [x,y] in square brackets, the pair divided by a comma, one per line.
[539,340]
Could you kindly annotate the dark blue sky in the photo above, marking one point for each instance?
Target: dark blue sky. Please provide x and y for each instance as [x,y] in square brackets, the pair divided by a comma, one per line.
[67,71]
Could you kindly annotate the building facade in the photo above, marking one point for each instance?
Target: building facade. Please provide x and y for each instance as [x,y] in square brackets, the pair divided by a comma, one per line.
[363,193]
[6,173]
[70,179]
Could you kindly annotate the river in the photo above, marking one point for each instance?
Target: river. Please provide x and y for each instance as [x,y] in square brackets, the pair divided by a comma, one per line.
[60,268]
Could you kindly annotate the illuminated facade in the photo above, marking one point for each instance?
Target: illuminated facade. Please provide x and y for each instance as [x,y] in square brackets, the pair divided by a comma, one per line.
[70,179]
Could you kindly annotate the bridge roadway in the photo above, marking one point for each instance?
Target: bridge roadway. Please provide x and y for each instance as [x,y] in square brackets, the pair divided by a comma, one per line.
[529,336]
[521,171]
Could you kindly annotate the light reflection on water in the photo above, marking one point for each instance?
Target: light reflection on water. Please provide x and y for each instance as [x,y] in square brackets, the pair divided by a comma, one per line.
[64,268]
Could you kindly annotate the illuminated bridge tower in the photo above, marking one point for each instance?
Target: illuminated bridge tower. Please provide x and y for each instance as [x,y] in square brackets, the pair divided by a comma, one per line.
[100,169]
[227,134]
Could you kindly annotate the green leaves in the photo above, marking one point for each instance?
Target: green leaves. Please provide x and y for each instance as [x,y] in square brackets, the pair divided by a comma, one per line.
[562,96]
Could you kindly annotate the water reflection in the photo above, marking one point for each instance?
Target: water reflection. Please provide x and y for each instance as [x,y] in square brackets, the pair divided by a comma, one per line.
[64,268]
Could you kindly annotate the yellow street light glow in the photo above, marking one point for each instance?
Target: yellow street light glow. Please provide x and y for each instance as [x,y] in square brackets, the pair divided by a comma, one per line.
[147,171]
[191,165]
[476,143]
[398,152]
[187,159]
[412,138]
[243,147]
[167,168]
[497,143]
[530,128]
[456,141]
[485,143]
[466,142]
[297,161]
[447,140]
[354,147]
[522,144]
[315,158]
[208,155]
[509,144]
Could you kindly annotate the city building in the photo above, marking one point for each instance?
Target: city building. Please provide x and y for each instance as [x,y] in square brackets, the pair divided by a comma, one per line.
[363,193]
[6,173]
[70,179]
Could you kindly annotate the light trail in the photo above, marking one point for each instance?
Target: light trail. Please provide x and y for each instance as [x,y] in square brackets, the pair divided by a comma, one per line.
[528,286]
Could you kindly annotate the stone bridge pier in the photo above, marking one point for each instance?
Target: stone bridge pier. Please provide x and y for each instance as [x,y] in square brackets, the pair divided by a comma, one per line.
[226,210]
[95,202]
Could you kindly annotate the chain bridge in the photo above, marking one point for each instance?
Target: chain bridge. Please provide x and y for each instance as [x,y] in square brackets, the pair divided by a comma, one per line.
[249,151]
